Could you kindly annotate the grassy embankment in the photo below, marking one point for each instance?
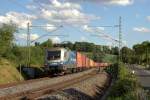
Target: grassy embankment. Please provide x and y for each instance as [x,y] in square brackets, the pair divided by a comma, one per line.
[8,72]
[126,86]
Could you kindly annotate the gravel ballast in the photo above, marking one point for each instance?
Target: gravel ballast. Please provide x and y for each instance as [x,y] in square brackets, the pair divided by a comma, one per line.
[89,89]
[38,84]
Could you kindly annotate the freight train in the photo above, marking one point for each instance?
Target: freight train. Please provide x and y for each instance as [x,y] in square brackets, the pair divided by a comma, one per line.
[58,60]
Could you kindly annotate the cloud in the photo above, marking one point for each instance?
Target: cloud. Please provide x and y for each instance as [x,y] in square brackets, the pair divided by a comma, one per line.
[65,5]
[120,2]
[57,4]
[50,27]
[24,36]
[90,29]
[55,11]
[87,28]
[56,40]
[107,2]
[70,16]
[148,18]
[83,39]
[20,19]
[141,29]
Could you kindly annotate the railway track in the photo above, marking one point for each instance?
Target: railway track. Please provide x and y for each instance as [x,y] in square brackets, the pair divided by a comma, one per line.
[39,88]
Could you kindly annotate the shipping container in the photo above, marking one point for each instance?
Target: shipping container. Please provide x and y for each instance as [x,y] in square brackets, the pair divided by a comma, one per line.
[83,60]
[87,62]
[79,59]
[91,63]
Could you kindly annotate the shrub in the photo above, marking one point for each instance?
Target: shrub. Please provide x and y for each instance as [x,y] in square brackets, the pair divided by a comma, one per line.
[125,86]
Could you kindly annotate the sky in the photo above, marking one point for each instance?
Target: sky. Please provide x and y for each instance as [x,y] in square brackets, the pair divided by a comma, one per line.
[78,20]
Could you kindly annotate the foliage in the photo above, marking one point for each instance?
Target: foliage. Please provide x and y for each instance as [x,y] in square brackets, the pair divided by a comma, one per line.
[67,44]
[127,55]
[139,54]
[110,58]
[113,70]
[125,87]
[19,55]
[46,44]
[98,57]
[37,56]
[83,46]
[115,50]
[86,47]
[6,37]
[8,72]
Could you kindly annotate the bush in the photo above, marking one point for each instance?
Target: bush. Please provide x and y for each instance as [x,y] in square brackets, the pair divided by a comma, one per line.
[125,87]
[113,70]
[19,55]
[6,37]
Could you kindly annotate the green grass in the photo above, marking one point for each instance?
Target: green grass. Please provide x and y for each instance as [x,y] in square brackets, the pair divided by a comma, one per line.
[110,58]
[125,87]
[8,72]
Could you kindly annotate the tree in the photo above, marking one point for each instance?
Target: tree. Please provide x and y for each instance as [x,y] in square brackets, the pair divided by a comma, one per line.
[47,44]
[106,49]
[6,37]
[37,44]
[67,44]
[142,55]
[127,54]
[83,46]
[115,50]
[146,47]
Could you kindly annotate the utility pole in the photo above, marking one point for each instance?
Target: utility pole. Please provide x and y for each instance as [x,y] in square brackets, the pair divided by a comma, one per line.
[28,45]
[147,62]
[120,39]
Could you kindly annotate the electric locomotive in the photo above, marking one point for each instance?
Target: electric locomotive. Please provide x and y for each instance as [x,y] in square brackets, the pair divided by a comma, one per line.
[59,60]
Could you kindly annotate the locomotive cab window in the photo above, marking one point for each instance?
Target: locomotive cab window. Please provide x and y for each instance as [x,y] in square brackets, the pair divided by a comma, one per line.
[54,55]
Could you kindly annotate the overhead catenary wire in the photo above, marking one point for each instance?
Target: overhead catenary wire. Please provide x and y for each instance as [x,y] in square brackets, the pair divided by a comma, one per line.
[101,34]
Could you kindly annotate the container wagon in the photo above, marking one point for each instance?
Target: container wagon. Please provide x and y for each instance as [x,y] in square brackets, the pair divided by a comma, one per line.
[63,60]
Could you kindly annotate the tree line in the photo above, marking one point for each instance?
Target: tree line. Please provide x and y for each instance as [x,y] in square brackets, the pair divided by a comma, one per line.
[138,54]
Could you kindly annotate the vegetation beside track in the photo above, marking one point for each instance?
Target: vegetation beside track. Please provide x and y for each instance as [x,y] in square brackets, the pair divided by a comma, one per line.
[8,73]
[125,85]
[138,54]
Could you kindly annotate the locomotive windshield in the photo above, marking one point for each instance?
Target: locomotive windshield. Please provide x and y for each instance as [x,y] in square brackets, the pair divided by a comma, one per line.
[53,55]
